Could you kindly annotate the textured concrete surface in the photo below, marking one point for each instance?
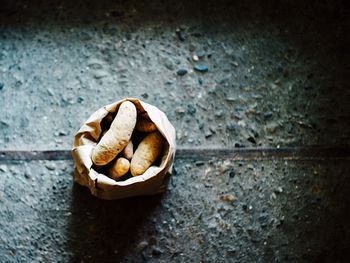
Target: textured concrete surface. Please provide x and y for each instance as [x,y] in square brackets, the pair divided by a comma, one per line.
[277,76]
[275,73]
[270,211]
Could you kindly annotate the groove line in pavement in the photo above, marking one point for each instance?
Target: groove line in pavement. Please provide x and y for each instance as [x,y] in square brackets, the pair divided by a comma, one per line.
[288,153]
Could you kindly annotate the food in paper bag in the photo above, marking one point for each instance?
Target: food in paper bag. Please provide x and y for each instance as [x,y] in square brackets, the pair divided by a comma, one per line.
[128,151]
[106,169]
[118,135]
[117,139]
[144,125]
[119,168]
[146,153]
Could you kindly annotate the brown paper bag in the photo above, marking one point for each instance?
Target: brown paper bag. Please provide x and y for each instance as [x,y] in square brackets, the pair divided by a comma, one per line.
[153,181]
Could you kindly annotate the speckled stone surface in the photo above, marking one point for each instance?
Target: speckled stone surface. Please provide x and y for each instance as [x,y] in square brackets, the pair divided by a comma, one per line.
[220,211]
[276,73]
[271,75]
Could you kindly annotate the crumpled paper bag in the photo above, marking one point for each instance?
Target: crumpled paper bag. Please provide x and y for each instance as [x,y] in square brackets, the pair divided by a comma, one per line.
[153,181]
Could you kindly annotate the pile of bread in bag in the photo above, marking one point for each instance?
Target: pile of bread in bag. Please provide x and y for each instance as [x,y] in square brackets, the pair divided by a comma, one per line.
[132,143]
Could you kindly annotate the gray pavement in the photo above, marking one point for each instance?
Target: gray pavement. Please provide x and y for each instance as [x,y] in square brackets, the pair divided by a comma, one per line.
[227,74]
[222,211]
[276,74]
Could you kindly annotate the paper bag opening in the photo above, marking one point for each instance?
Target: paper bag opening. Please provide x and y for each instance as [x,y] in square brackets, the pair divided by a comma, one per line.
[154,180]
